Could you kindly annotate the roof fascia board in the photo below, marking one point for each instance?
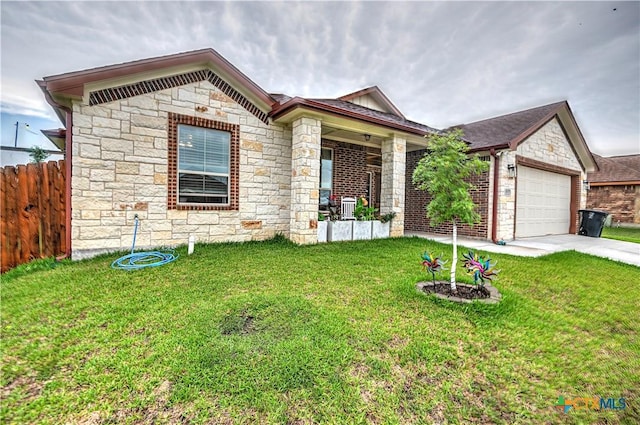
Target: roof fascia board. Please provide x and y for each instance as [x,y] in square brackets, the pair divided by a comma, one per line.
[578,142]
[284,113]
[615,183]
[73,83]
[574,136]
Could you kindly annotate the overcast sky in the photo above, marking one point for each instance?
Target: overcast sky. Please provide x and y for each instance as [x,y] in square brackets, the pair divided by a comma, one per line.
[441,63]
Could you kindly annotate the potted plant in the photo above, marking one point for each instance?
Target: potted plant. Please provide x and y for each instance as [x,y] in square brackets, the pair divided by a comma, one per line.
[364,214]
[381,228]
[323,226]
[340,230]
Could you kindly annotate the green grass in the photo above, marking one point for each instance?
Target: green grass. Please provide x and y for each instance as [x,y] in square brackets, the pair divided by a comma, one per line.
[622,234]
[336,333]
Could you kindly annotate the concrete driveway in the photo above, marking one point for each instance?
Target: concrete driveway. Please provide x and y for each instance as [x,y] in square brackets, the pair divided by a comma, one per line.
[626,252]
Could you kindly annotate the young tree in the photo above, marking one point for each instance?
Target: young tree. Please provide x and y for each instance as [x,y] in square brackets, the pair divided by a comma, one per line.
[38,154]
[442,172]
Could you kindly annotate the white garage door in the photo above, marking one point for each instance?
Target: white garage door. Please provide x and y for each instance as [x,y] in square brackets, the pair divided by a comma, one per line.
[542,203]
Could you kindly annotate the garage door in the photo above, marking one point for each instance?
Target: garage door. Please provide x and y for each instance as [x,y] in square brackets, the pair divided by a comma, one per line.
[542,203]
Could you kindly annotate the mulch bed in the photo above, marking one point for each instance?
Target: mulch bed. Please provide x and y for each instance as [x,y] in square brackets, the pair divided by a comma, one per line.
[468,292]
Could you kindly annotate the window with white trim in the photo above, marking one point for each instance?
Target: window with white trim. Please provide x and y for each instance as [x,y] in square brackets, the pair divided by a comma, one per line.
[203,165]
[326,175]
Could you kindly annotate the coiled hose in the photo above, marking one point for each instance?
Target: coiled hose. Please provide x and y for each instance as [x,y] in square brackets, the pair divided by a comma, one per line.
[140,260]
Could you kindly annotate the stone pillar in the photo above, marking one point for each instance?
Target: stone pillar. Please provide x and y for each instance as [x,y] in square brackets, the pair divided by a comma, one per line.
[394,155]
[305,179]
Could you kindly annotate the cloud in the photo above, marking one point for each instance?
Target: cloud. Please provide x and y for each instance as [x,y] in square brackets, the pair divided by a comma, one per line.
[441,63]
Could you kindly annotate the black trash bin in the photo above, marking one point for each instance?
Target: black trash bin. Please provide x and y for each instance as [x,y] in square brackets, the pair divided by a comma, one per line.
[592,222]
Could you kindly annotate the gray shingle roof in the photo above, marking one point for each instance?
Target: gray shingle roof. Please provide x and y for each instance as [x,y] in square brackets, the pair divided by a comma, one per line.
[616,169]
[384,116]
[498,132]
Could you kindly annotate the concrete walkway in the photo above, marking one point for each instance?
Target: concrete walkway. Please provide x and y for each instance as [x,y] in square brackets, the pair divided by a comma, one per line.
[626,252]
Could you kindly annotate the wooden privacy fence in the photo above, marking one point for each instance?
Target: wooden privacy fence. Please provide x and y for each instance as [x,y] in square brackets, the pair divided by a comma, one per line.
[33,212]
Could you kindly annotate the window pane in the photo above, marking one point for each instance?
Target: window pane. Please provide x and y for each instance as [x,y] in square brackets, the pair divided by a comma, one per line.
[324,196]
[203,150]
[201,188]
[326,169]
[203,165]
[326,175]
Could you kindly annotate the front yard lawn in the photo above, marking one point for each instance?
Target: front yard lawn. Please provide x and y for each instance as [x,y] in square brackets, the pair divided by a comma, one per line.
[275,333]
[622,233]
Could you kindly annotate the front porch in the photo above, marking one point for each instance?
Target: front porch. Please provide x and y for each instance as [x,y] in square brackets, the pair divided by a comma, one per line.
[345,158]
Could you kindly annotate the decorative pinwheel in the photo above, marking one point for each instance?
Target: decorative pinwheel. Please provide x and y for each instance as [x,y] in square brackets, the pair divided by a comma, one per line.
[481,268]
[432,264]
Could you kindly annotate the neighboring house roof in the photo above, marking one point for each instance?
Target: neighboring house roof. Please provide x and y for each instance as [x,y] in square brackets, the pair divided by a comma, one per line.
[631,161]
[616,170]
[56,136]
[508,131]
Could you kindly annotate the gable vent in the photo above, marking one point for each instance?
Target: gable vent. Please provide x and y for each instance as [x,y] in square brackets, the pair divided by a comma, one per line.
[149,86]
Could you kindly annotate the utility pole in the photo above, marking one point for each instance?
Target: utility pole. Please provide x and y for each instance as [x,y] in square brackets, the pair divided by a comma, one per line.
[15,140]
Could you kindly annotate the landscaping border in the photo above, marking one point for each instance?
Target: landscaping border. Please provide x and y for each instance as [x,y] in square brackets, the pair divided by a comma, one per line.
[494,296]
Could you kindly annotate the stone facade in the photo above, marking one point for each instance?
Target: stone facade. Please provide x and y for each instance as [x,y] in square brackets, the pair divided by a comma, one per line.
[392,184]
[305,178]
[622,202]
[548,145]
[120,169]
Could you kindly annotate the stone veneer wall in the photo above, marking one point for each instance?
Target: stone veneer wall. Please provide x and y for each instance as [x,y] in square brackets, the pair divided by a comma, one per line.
[549,145]
[416,219]
[120,169]
[622,202]
[392,182]
[305,178]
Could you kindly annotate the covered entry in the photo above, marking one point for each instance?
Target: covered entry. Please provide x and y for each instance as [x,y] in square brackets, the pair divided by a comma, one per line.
[543,203]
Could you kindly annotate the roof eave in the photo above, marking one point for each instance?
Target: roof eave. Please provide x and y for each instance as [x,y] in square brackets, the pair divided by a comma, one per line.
[72,84]
[298,102]
[614,183]
[578,143]
[60,109]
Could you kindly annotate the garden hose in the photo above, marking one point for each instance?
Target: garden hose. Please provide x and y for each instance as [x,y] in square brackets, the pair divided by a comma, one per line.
[140,260]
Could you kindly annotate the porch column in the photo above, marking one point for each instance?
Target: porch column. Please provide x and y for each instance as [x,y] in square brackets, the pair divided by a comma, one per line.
[394,155]
[305,178]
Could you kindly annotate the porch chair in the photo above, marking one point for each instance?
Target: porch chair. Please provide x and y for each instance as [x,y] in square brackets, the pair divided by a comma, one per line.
[347,205]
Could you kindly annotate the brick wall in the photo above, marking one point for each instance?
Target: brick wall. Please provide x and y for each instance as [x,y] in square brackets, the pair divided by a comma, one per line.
[417,200]
[623,202]
[349,168]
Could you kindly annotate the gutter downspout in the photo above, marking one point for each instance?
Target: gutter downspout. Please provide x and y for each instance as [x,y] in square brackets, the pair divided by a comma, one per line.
[494,213]
[68,124]
[67,162]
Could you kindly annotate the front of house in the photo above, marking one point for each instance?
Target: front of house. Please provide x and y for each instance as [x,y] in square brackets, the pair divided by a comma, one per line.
[537,179]
[192,147]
